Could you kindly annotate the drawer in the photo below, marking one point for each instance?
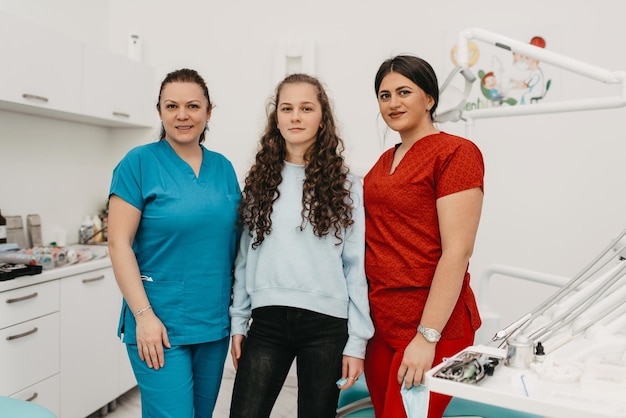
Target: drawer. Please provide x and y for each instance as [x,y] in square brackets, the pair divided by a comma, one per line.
[29,353]
[25,303]
[45,393]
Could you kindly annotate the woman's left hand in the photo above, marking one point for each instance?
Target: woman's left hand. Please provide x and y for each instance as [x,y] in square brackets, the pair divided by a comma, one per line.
[418,358]
[351,370]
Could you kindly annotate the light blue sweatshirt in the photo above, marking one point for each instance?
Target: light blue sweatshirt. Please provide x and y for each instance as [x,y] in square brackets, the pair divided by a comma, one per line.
[295,268]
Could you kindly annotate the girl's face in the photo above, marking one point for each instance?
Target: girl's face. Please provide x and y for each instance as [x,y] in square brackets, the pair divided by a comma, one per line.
[184,112]
[403,105]
[299,115]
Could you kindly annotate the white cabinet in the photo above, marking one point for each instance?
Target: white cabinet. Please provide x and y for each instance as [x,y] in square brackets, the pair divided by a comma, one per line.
[41,70]
[29,344]
[58,339]
[117,89]
[90,360]
[48,74]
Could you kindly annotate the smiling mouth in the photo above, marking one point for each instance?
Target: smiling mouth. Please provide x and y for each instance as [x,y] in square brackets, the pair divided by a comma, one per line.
[184,127]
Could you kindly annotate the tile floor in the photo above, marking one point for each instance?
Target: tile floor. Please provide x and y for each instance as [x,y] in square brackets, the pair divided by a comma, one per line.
[129,404]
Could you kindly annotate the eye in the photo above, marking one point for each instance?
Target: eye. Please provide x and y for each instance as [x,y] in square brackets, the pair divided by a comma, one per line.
[285,109]
[170,106]
[307,109]
[384,96]
[194,106]
[404,93]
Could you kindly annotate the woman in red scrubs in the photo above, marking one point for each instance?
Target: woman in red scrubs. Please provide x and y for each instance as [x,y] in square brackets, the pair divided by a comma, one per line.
[423,201]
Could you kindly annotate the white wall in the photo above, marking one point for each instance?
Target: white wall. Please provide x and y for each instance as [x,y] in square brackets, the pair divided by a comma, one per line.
[553,182]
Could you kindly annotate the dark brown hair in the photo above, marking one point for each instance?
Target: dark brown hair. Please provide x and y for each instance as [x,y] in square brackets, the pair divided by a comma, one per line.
[415,69]
[184,75]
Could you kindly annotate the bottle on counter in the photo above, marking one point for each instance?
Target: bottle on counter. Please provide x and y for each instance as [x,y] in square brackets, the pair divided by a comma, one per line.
[97,229]
[3,229]
[86,232]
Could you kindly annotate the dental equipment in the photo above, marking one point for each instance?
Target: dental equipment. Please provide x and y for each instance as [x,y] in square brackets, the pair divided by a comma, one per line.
[575,311]
[549,57]
[451,100]
[599,262]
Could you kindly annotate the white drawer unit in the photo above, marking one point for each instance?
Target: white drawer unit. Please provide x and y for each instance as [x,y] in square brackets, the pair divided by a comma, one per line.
[25,303]
[29,353]
[58,342]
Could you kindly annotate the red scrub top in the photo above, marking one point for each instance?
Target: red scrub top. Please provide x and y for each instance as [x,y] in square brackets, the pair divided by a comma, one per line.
[403,244]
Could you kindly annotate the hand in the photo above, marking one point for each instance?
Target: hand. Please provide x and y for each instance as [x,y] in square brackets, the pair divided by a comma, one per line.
[151,338]
[235,349]
[351,370]
[418,358]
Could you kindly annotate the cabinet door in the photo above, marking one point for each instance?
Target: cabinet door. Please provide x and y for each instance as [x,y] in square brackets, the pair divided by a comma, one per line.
[118,89]
[127,376]
[89,345]
[41,69]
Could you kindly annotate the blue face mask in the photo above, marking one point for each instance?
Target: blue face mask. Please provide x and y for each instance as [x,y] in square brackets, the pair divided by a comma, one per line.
[415,401]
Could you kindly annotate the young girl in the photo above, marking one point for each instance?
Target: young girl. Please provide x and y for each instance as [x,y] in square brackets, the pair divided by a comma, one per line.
[299,273]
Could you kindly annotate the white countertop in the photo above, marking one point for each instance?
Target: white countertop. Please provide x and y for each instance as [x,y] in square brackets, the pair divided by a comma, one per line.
[100,260]
[523,390]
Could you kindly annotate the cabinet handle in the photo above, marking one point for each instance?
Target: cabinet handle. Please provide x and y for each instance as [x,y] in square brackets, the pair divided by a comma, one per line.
[32,397]
[23,334]
[35,97]
[22,298]
[121,115]
[93,279]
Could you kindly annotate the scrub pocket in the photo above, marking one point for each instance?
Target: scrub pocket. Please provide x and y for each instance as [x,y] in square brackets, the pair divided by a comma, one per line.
[168,303]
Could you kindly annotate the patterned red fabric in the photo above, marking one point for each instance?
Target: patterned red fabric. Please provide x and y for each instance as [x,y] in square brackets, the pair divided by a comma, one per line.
[403,243]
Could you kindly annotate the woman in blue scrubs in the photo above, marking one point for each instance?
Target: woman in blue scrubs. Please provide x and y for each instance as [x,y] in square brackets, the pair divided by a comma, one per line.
[172,240]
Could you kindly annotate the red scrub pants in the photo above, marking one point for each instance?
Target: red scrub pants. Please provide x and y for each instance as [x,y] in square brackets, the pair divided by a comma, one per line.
[382,361]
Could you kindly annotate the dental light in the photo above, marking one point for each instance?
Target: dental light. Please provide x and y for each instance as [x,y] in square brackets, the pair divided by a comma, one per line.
[451,99]
[546,56]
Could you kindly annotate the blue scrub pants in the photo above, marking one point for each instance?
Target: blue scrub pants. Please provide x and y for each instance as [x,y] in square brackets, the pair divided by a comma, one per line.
[187,386]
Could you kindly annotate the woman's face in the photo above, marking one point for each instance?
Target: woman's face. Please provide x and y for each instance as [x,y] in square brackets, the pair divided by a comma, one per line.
[184,112]
[299,115]
[403,105]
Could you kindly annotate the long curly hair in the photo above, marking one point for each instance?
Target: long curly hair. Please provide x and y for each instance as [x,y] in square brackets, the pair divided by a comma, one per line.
[326,202]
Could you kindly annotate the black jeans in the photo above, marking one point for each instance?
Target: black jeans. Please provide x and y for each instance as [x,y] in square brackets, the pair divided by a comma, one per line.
[277,335]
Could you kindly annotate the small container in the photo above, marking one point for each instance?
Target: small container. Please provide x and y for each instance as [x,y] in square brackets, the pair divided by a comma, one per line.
[519,353]
[540,353]
[86,231]
[3,229]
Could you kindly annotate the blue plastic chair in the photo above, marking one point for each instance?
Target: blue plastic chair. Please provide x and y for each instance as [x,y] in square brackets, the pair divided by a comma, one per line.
[356,402]
[16,408]
[459,407]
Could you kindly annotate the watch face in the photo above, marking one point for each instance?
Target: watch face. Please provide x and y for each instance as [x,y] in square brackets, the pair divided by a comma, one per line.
[430,334]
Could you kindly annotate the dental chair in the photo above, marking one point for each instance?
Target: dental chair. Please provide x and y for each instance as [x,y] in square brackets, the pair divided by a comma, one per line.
[17,408]
[355,402]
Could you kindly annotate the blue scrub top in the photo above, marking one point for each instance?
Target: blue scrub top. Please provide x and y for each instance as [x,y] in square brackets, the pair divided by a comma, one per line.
[186,240]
